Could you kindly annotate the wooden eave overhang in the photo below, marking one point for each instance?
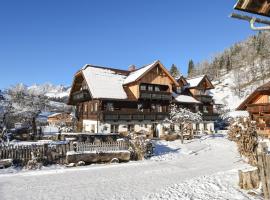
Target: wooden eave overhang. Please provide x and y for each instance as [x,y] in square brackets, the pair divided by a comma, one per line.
[259,7]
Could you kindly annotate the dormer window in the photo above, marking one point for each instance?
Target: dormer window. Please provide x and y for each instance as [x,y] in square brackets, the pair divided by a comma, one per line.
[109,107]
[178,90]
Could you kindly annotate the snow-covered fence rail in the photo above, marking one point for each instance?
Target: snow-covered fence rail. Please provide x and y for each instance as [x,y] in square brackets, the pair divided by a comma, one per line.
[102,146]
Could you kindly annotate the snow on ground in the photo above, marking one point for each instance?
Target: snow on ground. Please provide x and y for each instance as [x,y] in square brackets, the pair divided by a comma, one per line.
[200,169]
[218,186]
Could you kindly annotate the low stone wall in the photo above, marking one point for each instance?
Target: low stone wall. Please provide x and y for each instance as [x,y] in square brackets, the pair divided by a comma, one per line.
[97,157]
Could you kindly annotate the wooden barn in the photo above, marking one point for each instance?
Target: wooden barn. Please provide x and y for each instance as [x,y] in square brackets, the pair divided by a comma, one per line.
[59,119]
[258,106]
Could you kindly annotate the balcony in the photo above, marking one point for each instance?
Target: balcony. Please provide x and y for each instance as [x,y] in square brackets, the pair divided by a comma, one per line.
[259,108]
[152,95]
[81,96]
[136,116]
[204,98]
[210,117]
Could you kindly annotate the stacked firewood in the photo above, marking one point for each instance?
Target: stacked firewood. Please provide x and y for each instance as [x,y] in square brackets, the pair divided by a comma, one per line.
[243,132]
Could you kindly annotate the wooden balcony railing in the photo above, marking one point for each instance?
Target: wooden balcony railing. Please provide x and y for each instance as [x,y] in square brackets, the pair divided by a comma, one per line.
[204,98]
[210,116]
[153,95]
[259,108]
[128,116]
[81,96]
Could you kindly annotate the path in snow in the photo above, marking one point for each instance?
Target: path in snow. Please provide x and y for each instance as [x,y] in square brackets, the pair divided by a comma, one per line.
[183,167]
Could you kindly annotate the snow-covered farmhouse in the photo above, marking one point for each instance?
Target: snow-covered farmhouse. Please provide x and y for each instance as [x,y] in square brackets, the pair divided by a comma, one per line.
[110,100]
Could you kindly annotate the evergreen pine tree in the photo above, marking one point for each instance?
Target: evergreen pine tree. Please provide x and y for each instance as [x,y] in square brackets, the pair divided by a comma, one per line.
[175,72]
[191,68]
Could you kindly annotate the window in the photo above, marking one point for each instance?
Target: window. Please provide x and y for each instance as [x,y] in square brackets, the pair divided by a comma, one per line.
[143,87]
[153,107]
[159,108]
[114,128]
[96,107]
[110,107]
[178,90]
[85,107]
[197,108]
[197,127]
[157,89]
[205,126]
[91,107]
[150,88]
[93,127]
[131,127]
[140,107]
[205,110]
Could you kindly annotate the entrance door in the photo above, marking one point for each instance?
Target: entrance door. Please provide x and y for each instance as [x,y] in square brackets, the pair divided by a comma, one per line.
[155,130]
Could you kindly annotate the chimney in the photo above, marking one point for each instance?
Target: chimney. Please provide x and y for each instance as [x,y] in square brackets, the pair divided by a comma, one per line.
[131,68]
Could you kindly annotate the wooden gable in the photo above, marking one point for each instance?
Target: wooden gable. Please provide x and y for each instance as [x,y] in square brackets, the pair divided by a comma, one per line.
[182,81]
[156,75]
[205,83]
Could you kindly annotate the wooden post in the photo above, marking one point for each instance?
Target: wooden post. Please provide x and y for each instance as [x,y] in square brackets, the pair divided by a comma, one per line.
[264,169]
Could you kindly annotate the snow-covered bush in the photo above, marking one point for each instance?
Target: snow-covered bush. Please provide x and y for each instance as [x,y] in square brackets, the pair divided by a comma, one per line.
[140,148]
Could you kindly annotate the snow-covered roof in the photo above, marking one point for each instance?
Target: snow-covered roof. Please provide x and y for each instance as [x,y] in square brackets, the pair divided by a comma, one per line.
[104,83]
[193,82]
[55,114]
[133,76]
[185,98]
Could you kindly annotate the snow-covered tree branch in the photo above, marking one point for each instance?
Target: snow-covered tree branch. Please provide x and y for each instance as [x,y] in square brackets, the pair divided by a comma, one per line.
[182,118]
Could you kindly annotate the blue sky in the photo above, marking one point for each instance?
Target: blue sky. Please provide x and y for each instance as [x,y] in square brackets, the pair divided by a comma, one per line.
[48,41]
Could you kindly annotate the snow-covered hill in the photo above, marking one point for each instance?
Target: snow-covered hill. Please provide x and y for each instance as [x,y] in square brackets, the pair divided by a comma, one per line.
[226,91]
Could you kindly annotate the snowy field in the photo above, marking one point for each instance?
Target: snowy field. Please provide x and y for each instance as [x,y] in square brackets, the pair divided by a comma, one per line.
[203,169]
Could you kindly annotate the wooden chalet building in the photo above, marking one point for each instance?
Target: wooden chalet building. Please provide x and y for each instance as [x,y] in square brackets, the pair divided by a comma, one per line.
[258,106]
[110,100]
[198,88]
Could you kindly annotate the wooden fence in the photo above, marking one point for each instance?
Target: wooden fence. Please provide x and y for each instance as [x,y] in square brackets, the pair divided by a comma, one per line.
[56,153]
[264,168]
